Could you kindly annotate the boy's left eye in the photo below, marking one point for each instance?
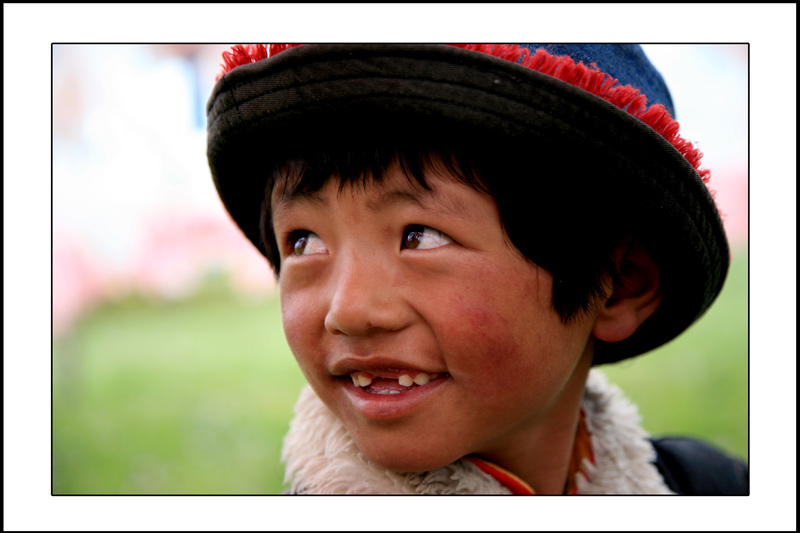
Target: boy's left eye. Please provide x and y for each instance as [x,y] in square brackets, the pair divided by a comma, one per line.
[422,238]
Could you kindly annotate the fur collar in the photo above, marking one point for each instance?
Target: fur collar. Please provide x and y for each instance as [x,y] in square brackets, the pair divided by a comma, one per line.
[321,458]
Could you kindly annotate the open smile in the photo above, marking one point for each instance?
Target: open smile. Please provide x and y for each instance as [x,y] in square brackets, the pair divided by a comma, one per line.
[389,395]
[380,384]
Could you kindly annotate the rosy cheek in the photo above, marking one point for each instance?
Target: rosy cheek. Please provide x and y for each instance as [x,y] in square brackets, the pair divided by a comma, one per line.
[500,336]
[479,333]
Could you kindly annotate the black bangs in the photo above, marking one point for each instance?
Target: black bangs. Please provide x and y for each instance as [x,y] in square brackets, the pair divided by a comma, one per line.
[303,173]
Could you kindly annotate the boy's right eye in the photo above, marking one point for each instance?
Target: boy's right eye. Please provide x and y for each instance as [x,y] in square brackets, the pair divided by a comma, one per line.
[306,243]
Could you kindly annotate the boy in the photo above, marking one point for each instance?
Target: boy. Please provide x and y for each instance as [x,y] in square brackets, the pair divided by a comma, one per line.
[459,235]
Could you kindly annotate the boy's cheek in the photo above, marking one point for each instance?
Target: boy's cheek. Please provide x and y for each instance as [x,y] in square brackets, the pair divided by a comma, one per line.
[473,321]
[489,306]
[473,330]
[495,335]
[300,323]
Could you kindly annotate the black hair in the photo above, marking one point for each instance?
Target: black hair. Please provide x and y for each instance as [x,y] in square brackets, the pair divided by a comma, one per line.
[556,210]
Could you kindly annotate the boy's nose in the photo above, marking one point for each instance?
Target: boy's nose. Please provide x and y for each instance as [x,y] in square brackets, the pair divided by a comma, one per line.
[366,299]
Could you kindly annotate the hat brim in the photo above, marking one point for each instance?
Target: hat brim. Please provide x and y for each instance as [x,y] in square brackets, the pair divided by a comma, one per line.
[322,90]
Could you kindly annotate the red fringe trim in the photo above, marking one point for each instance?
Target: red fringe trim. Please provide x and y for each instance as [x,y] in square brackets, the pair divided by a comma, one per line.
[249,53]
[564,68]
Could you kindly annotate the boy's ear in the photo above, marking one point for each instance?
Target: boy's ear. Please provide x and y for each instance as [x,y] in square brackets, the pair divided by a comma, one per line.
[634,299]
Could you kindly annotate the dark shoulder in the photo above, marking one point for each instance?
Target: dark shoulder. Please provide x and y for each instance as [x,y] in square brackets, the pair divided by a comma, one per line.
[692,467]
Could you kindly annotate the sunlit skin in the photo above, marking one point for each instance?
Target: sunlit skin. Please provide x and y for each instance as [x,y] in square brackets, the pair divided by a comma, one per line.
[454,298]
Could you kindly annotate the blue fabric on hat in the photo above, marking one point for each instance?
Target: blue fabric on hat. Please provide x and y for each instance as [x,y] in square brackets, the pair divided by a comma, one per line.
[625,62]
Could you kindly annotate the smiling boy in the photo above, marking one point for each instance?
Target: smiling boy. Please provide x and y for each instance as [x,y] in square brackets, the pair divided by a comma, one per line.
[459,235]
[391,302]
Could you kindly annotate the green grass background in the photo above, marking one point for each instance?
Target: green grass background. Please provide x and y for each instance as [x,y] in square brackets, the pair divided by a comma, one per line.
[194,397]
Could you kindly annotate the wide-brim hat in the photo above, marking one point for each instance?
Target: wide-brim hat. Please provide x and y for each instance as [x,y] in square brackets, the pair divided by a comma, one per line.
[606,100]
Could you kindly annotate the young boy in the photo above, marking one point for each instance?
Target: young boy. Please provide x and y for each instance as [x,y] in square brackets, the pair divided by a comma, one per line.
[460,233]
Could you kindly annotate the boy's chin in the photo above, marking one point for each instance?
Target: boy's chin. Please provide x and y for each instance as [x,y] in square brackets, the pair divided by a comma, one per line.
[402,459]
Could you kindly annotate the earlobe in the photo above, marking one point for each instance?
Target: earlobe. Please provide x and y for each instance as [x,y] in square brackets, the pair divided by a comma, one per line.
[634,299]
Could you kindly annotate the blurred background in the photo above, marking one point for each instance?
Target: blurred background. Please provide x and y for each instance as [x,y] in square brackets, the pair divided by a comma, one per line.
[170,371]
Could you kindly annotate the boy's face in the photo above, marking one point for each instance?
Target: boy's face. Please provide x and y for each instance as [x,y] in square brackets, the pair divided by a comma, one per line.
[391,280]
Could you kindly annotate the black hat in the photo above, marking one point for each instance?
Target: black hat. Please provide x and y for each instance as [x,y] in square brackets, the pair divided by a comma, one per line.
[606,98]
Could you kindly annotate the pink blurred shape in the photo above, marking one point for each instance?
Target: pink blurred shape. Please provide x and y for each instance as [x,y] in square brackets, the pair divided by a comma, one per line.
[732,197]
[180,248]
[177,250]
[78,281]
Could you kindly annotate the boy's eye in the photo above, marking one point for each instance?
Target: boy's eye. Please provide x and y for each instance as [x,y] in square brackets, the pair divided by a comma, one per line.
[306,243]
[423,238]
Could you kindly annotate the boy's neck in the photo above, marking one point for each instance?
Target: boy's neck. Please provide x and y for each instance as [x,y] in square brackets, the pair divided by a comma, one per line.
[543,459]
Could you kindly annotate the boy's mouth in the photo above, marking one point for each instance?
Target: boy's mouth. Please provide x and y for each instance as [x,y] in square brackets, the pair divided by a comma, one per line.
[403,382]
[389,394]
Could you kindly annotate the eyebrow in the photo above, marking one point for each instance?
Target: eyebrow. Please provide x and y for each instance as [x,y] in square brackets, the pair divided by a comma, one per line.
[424,199]
[285,201]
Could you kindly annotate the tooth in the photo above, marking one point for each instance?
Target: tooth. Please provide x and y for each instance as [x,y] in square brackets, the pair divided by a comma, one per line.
[363,381]
[434,376]
[421,379]
[406,381]
[355,380]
